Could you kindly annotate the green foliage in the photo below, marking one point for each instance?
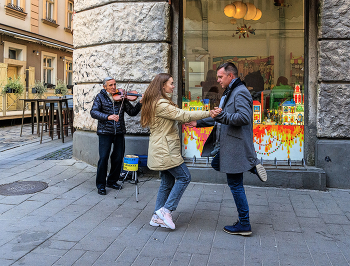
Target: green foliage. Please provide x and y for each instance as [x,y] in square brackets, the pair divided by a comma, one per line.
[61,88]
[14,84]
[40,87]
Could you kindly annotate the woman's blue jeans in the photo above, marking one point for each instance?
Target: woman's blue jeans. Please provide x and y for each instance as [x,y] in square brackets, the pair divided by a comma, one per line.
[173,184]
[104,147]
[235,182]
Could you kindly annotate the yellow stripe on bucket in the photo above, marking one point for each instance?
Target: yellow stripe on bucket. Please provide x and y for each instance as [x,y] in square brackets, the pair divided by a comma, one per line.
[131,163]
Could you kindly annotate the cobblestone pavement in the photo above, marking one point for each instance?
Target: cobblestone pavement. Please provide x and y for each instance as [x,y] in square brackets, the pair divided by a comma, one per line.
[10,136]
[68,223]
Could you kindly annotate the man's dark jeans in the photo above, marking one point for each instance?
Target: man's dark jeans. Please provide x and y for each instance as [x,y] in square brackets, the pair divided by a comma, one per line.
[104,147]
[235,182]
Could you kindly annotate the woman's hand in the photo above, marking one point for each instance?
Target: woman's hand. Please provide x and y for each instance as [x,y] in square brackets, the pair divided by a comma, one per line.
[213,113]
[191,124]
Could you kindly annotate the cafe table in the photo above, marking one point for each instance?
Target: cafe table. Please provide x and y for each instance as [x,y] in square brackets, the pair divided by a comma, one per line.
[34,106]
[52,102]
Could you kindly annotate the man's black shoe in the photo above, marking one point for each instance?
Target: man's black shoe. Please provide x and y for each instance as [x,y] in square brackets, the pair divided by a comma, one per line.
[102,191]
[114,186]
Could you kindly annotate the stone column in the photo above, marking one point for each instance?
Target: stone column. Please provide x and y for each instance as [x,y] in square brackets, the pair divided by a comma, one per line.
[130,41]
[333,97]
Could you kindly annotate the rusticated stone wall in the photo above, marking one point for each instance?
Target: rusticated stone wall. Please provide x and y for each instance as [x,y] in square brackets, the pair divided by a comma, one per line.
[129,41]
[333,107]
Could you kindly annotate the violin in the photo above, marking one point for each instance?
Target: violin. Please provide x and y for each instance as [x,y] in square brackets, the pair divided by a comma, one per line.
[130,95]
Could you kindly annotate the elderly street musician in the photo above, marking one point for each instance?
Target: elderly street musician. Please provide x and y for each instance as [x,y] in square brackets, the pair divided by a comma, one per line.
[108,108]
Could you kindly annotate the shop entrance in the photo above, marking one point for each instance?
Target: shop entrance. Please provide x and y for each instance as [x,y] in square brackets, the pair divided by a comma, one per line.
[266,43]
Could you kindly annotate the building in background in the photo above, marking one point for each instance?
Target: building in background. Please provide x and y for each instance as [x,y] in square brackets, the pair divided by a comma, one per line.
[294,48]
[36,44]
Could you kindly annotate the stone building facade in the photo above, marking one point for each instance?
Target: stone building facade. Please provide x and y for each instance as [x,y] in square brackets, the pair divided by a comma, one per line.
[135,40]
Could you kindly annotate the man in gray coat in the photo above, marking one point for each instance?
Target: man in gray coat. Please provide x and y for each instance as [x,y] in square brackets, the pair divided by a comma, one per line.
[234,131]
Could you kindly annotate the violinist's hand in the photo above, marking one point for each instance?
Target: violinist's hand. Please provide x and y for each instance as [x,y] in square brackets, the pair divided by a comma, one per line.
[141,98]
[114,117]
[213,113]
[191,124]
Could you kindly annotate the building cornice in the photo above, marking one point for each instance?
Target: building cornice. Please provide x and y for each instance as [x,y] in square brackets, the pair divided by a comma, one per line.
[32,37]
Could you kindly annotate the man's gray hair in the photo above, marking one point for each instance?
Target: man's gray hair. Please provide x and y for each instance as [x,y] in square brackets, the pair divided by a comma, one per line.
[105,80]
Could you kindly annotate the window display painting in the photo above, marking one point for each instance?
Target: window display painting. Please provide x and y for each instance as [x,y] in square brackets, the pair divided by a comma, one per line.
[255,71]
[193,140]
[279,141]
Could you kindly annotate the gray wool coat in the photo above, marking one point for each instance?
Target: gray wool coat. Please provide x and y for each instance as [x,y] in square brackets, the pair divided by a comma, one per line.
[237,153]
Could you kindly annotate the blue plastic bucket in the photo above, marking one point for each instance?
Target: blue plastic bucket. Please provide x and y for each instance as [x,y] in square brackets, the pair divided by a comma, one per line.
[131,163]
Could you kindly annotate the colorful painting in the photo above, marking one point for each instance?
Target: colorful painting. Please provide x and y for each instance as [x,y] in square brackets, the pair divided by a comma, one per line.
[280,142]
[260,65]
[193,140]
[270,141]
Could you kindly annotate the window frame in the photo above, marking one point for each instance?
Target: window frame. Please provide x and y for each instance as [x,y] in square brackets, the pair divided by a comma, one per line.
[68,23]
[68,60]
[53,66]
[52,21]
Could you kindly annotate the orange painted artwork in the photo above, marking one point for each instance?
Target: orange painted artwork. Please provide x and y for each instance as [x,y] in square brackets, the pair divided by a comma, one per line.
[279,141]
[270,141]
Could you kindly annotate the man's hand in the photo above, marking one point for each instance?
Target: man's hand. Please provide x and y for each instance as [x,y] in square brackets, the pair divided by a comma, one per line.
[141,98]
[191,124]
[215,112]
[114,117]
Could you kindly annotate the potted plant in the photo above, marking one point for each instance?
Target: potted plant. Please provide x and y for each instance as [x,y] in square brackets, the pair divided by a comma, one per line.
[13,85]
[39,88]
[61,88]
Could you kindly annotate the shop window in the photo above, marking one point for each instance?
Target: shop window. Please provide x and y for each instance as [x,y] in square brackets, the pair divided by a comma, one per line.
[69,72]
[267,46]
[16,8]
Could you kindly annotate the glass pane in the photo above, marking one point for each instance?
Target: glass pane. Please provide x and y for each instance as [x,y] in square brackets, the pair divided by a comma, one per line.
[70,78]
[49,73]
[70,6]
[70,66]
[44,61]
[269,55]
[45,76]
[12,54]
[49,10]
[49,60]
[69,22]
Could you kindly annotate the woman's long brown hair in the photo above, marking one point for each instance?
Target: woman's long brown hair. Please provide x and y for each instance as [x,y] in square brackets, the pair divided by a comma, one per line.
[151,96]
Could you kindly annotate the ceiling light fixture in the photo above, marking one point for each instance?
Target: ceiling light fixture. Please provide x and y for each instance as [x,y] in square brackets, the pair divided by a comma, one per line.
[238,10]
[246,11]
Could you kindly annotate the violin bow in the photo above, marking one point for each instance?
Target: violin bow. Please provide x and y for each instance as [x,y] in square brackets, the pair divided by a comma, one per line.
[126,93]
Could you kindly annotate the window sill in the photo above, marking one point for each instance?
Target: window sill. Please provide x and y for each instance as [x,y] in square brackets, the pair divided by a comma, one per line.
[10,11]
[49,22]
[68,30]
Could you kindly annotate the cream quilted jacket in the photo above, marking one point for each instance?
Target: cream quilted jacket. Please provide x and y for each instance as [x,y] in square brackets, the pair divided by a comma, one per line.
[164,151]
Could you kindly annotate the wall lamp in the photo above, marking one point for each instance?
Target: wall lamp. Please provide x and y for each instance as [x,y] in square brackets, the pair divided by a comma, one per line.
[36,52]
[63,58]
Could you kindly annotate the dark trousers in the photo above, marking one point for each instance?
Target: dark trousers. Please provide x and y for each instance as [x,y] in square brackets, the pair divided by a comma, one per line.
[235,182]
[104,148]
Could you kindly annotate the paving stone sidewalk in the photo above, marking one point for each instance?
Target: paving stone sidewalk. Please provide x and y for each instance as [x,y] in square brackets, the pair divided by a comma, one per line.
[68,223]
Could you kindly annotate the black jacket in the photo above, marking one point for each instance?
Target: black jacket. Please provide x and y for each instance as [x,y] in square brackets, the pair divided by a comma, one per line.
[104,107]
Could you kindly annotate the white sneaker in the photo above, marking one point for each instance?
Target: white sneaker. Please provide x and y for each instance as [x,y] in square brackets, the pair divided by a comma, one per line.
[156,221]
[261,172]
[165,215]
